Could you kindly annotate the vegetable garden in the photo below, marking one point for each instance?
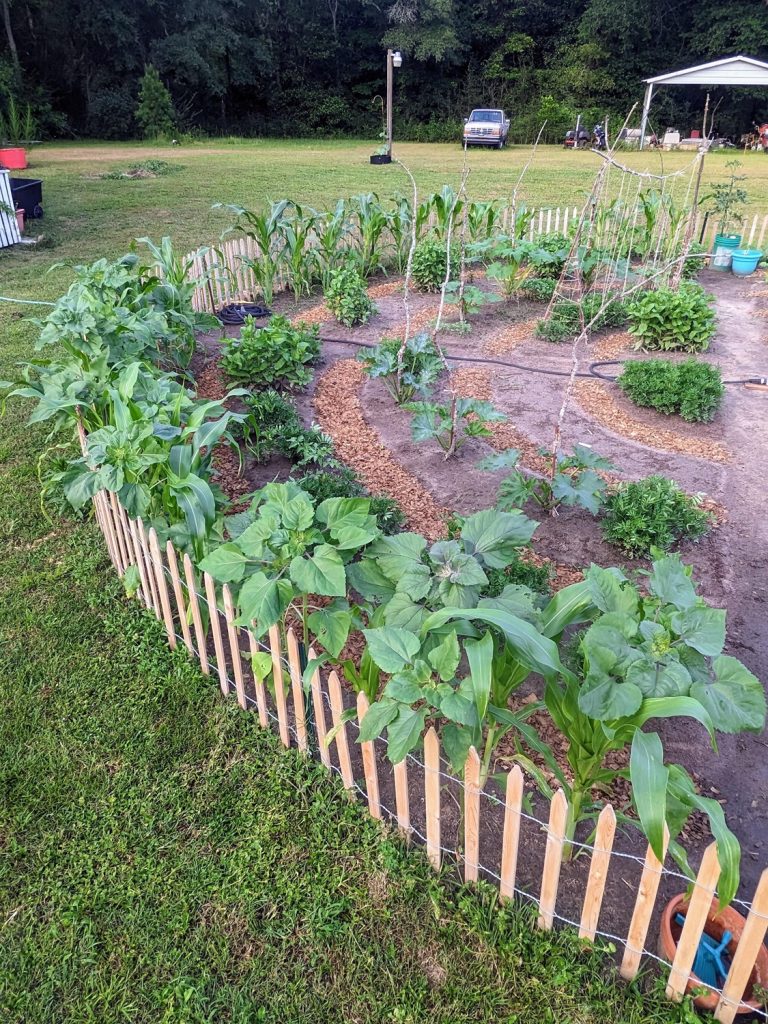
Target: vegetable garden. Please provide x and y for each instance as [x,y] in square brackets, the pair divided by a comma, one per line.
[438,489]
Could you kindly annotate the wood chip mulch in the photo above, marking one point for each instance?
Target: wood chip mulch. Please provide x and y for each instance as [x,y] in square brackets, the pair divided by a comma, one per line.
[509,337]
[595,398]
[226,464]
[340,414]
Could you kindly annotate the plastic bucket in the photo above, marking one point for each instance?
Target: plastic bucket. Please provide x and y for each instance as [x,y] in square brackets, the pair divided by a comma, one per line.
[14,158]
[745,261]
[724,246]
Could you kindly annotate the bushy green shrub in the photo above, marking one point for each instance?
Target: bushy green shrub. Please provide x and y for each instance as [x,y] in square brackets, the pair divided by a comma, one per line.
[652,513]
[343,482]
[429,264]
[669,320]
[565,318]
[277,353]
[346,296]
[693,389]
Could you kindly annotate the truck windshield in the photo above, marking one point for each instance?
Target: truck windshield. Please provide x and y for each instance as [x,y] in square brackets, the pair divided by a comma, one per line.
[485,115]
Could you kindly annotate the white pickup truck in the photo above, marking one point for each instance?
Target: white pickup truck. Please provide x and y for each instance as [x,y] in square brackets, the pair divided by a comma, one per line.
[486,128]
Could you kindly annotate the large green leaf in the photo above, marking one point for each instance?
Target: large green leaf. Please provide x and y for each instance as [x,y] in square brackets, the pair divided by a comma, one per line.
[263,600]
[404,732]
[321,573]
[494,537]
[225,563]
[480,657]
[538,652]
[735,698]
[649,776]
[701,628]
[391,647]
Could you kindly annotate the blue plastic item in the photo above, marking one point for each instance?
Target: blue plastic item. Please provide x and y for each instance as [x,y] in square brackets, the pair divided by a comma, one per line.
[711,964]
[745,261]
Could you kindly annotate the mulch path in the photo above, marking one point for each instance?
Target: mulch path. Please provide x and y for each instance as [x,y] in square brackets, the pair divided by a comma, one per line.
[340,414]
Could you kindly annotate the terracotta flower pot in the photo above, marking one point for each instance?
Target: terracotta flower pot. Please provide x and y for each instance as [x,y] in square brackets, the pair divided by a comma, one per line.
[14,158]
[718,922]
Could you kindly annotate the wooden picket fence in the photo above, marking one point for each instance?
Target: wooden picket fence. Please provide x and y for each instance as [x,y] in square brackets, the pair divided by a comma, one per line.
[170,587]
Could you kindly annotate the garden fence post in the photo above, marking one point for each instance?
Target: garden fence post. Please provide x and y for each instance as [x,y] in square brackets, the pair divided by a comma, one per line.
[641,916]
[162,586]
[511,840]
[598,873]
[178,593]
[297,691]
[234,646]
[369,761]
[276,651]
[201,638]
[317,704]
[218,642]
[695,920]
[342,743]
[553,859]
[432,795]
[746,954]
[471,815]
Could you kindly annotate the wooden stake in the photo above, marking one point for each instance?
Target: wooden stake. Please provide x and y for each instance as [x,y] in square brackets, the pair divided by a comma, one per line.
[342,744]
[297,691]
[162,587]
[197,620]
[746,954]
[641,917]
[511,841]
[218,643]
[234,646]
[317,704]
[432,795]
[553,859]
[369,761]
[471,815]
[277,677]
[178,593]
[598,873]
[695,921]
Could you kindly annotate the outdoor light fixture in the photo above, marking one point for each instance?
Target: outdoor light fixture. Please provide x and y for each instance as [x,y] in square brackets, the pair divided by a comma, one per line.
[394,60]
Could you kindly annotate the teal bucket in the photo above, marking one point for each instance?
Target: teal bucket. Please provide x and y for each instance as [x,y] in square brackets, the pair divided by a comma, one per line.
[724,246]
[745,261]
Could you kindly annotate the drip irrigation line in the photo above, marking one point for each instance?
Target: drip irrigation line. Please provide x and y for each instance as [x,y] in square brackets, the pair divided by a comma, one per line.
[590,375]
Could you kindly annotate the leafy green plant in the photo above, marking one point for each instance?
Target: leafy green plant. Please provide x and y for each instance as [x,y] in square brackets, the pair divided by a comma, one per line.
[430,262]
[452,425]
[346,296]
[693,389]
[575,481]
[669,320]
[421,366]
[277,353]
[652,513]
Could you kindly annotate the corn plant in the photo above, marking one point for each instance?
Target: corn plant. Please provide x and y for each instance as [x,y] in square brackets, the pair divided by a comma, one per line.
[264,230]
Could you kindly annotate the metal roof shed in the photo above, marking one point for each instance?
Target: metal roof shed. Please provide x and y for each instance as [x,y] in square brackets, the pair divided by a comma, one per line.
[728,71]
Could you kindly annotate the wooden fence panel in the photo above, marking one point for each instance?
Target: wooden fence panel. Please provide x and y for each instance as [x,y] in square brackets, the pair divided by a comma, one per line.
[511,836]
[471,815]
[695,920]
[553,859]
[744,959]
[178,593]
[432,796]
[201,638]
[233,635]
[215,623]
[277,678]
[162,586]
[341,740]
[598,873]
[369,762]
[641,916]
[297,691]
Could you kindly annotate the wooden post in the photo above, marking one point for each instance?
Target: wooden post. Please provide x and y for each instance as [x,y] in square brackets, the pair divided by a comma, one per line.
[218,643]
[297,691]
[369,761]
[317,704]
[197,620]
[553,859]
[162,587]
[277,677]
[511,841]
[746,954]
[598,873]
[234,647]
[695,920]
[342,744]
[150,570]
[432,795]
[471,815]
[178,593]
[261,696]
[402,804]
[641,916]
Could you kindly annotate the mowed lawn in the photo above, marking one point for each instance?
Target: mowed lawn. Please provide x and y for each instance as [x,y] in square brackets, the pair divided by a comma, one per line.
[160,859]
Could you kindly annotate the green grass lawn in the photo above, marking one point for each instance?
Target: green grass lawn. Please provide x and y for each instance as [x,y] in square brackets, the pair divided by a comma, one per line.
[160,859]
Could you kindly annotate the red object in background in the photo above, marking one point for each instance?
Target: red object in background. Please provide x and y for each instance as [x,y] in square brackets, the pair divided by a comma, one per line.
[14,158]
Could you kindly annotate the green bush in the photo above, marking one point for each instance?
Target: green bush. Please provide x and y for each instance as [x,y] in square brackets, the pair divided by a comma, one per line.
[277,353]
[429,264]
[693,389]
[668,320]
[652,513]
[343,482]
[565,319]
[346,296]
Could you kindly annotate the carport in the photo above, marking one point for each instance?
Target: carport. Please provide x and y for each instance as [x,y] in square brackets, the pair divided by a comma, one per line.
[745,71]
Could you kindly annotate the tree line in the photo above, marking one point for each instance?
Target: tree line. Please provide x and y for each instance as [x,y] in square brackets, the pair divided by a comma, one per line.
[316,67]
